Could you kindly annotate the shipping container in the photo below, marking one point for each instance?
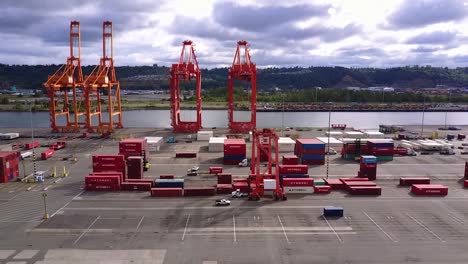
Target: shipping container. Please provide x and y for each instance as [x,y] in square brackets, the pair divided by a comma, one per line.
[288,182]
[332,211]
[365,190]
[235,147]
[31,145]
[350,184]
[151,181]
[102,183]
[186,155]
[269,184]
[407,181]
[110,173]
[136,186]
[169,183]
[239,180]
[322,189]
[199,191]
[242,186]
[335,184]
[429,189]
[216,170]
[224,178]
[166,176]
[309,144]
[290,160]
[298,189]
[224,188]
[134,167]
[319,182]
[9,165]
[368,159]
[167,192]
[234,157]
[465,183]
[293,169]
[344,180]
[47,154]
[312,162]
[134,147]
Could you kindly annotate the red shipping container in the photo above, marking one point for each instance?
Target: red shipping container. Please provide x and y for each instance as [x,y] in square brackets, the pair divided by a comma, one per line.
[199,191]
[9,168]
[186,155]
[344,180]
[31,145]
[109,173]
[365,190]
[135,167]
[47,154]
[167,192]
[350,184]
[406,181]
[239,180]
[166,176]
[241,186]
[290,160]
[215,170]
[224,178]
[429,189]
[293,169]
[335,184]
[465,184]
[322,189]
[135,186]
[290,182]
[224,188]
[102,183]
[108,158]
[134,147]
[235,147]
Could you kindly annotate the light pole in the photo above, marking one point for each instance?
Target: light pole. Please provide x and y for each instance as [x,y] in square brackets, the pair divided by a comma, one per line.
[328,145]
[282,116]
[423,111]
[316,93]
[32,139]
[446,109]
[46,215]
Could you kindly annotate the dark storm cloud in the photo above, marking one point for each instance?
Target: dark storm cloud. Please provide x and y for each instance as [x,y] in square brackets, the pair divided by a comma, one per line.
[418,13]
[256,19]
[435,37]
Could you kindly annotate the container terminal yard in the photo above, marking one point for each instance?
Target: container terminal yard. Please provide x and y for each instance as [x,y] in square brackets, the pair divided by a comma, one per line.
[94,191]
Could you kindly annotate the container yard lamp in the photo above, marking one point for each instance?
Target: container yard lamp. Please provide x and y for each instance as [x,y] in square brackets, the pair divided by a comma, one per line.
[46,215]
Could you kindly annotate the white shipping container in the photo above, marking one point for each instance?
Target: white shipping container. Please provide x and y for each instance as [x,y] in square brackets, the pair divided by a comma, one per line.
[299,189]
[374,134]
[354,134]
[204,135]
[154,143]
[286,144]
[334,143]
[9,136]
[269,184]
[334,133]
[216,144]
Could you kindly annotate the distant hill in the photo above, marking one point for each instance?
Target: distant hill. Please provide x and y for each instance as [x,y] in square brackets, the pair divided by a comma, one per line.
[156,77]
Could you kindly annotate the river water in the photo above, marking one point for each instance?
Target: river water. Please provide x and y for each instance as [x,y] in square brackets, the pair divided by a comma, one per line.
[218,118]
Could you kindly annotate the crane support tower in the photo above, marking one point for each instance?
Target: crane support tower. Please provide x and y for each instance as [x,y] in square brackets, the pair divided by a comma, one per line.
[265,141]
[68,78]
[103,88]
[244,70]
[186,70]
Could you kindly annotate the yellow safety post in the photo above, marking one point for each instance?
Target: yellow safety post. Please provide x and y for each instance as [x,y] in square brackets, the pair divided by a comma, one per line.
[54,173]
[46,215]
[64,173]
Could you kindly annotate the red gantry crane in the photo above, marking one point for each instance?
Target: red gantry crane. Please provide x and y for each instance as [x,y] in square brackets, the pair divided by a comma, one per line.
[186,70]
[68,78]
[265,141]
[244,70]
[101,83]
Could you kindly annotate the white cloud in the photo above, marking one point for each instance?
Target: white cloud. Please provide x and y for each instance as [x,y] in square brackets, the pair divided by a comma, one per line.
[362,33]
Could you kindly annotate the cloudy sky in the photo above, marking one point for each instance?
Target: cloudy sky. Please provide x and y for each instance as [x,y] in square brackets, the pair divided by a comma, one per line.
[351,33]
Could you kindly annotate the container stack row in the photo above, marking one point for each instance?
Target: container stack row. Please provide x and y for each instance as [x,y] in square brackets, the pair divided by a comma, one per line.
[136,153]
[235,151]
[351,150]
[368,167]
[290,160]
[361,186]
[310,151]
[9,168]
[383,149]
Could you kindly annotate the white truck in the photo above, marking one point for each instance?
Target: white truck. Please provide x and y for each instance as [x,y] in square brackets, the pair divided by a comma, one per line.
[244,163]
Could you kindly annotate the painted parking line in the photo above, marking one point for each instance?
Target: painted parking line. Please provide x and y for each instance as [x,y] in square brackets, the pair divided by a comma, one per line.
[87,229]
[334,231]
[425,227]
[380,228]
[185,229]
[284,231]
[459,221]
[234,228]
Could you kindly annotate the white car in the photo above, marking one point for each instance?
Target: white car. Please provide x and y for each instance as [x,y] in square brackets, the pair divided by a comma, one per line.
[238,194]
[222,202]
[193,169]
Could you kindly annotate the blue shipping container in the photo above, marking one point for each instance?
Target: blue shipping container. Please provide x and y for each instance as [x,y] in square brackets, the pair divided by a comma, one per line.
[170,184]
[368,159]
[313,146]
[313,157]
[381,145]
[333,211]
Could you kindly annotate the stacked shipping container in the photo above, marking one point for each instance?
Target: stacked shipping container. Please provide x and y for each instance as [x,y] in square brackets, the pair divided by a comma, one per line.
[135,167]
[134,147]
[368,167]
[310,151]
[234,151]
[109,163]
[382,148]
[9,169]
[351,150]
[290,160]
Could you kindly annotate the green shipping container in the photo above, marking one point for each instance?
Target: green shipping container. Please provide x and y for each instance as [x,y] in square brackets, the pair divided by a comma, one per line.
[385,158]
[319,182]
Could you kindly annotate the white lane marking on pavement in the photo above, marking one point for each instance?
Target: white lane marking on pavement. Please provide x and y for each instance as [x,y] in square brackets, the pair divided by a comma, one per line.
[139,223]
[186,225]
[78,195]
[60,209]
[380,228]
[458,220]
[4,254]
[234,225]
[425,227]
[26,254]
[334,231]
[284,231]
[87,229]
